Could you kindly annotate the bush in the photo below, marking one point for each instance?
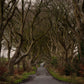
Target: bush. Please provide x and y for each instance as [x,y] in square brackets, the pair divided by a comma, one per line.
[81,72]
[3,71]
[24,76]
[68,70]
[54,61]
[59,77]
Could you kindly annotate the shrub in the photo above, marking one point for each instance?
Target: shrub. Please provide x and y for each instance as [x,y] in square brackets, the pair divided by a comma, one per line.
[81,72]
[68,69]
[3,71]
[54,61]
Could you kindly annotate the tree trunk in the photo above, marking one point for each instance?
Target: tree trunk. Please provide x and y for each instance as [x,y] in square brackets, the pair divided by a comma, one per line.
[13,59]
[66,55]
[18,67]
[1,22]
[80,24]
[11,68]
[29,65]
[0,47]
[24,65]
[9,50]
[1,33]
[82,43]
[66,64]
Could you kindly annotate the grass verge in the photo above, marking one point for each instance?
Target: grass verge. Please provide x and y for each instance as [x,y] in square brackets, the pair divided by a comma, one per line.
[71,79]
[24,76]
[16,79]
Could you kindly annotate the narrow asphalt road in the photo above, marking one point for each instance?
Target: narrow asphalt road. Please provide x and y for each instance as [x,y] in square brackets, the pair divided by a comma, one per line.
[43,77]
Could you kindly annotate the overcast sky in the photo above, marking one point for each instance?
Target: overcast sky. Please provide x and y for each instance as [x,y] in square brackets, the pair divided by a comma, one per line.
[19,3]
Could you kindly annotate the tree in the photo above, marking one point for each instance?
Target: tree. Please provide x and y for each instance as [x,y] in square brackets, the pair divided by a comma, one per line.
[78,13]
[5,20]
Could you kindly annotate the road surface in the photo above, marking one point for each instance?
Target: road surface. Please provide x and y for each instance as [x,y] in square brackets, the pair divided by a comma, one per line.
[43,77]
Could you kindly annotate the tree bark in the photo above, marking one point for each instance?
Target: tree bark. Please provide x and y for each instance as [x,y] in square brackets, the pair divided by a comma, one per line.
[24,64]
[16,55]
[29,65]
[18,67]
[0,42]
[66,55]
[13,59]
[11,67]
[9,50]
[80,24]
[1,22]
[82,43]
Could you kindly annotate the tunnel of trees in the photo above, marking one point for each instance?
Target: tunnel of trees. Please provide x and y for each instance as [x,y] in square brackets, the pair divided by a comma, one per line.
[50,31]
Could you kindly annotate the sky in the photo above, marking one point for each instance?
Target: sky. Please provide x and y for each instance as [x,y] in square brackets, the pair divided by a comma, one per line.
[4,52]
[19,3]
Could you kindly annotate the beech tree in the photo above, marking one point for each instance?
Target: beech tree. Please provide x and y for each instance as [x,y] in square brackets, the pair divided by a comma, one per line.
[3,19]
[44,30]
[79,17]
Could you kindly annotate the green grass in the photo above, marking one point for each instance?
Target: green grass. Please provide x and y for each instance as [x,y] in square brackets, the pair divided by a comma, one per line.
[61,78]
[34,68]
[24,76]
[71,79]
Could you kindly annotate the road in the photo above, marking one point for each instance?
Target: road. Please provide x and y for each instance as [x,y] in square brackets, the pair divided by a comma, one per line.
[43,77]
